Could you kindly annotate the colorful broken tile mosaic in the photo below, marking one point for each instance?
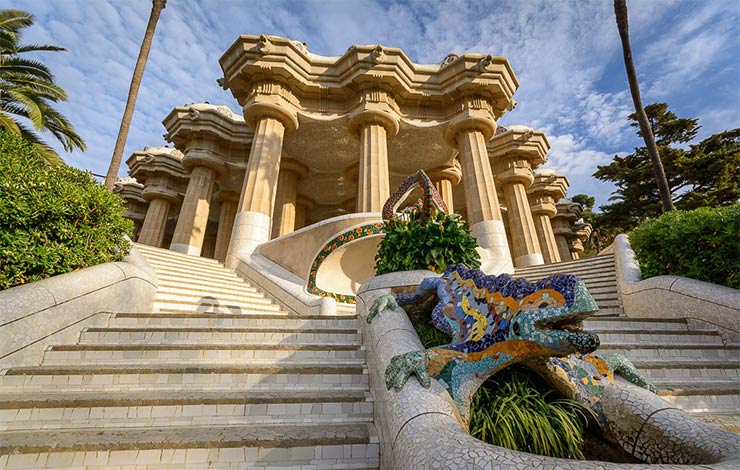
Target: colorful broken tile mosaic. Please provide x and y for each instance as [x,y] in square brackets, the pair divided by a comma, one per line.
[432,199]
[342,239]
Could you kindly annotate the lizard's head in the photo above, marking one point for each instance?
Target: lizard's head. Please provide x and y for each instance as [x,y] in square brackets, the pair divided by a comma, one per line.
[557,327]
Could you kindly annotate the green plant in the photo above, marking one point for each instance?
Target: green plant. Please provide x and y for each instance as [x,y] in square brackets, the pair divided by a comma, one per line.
[53,220]
[515,410]
[27,90]
[439,242]
[702,244]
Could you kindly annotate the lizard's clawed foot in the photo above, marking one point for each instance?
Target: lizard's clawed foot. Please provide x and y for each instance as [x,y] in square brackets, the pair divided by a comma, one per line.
[380,304]
[403,365]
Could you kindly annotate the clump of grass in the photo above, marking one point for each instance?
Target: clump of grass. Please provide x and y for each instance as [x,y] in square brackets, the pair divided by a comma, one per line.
[514,409]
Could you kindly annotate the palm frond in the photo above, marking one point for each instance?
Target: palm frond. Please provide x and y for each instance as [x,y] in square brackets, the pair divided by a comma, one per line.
[43,88]
[29,101]
[63,130]
[13,20]
[39,48]
[8,123]
[15,64]
[42,150]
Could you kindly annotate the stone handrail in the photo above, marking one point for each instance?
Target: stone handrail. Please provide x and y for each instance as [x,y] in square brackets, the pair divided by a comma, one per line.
[53,310]
[285,287]
[419,428]
[673,296]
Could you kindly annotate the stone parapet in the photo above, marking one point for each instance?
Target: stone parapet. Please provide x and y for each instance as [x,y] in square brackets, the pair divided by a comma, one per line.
[674,296]
[51,311]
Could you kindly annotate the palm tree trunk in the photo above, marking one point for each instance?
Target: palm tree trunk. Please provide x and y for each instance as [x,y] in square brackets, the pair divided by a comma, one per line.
[146,45]
[620,11]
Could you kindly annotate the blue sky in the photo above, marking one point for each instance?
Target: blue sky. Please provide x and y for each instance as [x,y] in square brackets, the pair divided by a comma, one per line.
[566,55]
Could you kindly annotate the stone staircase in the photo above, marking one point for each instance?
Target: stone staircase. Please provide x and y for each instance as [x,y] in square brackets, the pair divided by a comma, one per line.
[692,367]
[218,376]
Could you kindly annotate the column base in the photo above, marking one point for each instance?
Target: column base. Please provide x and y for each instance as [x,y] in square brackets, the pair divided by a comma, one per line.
[533,259]
[185,248]
[493,247]
[251,229]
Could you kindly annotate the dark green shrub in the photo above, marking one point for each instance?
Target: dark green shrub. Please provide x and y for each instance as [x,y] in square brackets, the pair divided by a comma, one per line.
[408,244]
[53,219]
[702,244]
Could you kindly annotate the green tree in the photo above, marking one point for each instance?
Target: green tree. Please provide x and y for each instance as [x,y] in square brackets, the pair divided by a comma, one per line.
[702,175]
[27,90]
[620,12]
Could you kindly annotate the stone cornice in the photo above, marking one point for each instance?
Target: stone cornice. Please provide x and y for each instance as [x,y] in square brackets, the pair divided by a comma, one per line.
[329,85]
[156,160]
[548,184]
[519,142]
[204,121]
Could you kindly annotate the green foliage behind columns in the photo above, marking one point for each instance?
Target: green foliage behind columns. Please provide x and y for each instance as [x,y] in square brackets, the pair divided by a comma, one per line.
[53,220]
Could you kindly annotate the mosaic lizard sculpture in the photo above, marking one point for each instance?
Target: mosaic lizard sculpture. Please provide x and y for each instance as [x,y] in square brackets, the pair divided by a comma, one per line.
[498,321]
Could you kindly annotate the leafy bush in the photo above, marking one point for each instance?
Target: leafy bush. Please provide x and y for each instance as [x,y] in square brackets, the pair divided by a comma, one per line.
[514,409]
[702,244]
[441,241]
[53,219]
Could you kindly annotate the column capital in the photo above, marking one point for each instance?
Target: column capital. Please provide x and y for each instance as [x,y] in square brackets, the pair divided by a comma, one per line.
[451,173]
[293,166]
[222,195]
[271,99]
[375,105]
[304,201]
[203,158]
[161,191]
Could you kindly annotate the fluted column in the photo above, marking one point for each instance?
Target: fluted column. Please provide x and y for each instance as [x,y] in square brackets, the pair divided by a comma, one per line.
[525,246]
[229,202]
[256,204]
[547,188]
[567,213]
[445,179]
[469,133]
[284,219]
[152,230]
[302,205]
[191,223]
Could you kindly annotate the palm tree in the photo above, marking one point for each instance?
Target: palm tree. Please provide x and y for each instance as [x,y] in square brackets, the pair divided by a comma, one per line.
[146,45]
[27,90]
[620,11]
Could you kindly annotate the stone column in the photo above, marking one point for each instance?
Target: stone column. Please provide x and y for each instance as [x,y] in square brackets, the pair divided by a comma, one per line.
[567,213]
[580,233]
[374,122]
[515,152]
[191,224]
[158,191]
[302,205]
[284,219]
[152,230]
[547,188]
[252,223]
[468,132]
[229,202]
[445,179]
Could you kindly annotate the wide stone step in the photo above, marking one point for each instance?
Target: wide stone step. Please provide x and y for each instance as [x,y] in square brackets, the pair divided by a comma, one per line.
[322,446]
[674,338]
[176,267]
[242,288]
[233,300]
[232,293]
[605,303]
[609,312]
[155,335]
[693,372]
[227,280]
[200,320]
[594,260]
[197,353]
[157,254]
[668,352]
[701,396]
[544,270]
[206,307]
[85,410]
[620,324]
[604,291]
[119,377]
